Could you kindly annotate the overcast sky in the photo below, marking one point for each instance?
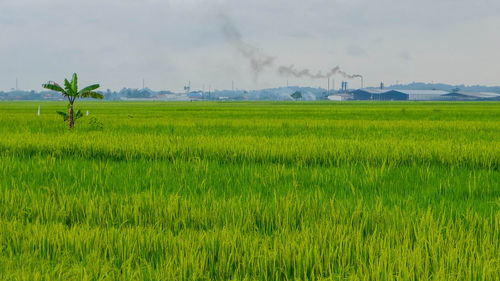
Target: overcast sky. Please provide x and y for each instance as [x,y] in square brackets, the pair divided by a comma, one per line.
[119,42]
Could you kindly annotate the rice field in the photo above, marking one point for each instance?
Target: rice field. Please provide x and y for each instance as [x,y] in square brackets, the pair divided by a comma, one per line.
[250,191]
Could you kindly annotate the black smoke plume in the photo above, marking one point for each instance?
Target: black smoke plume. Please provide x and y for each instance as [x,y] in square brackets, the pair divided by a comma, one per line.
[290,71]
[259,60]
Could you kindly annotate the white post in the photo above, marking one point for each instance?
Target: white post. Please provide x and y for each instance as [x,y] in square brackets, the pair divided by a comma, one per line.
[38,113]
[87,112]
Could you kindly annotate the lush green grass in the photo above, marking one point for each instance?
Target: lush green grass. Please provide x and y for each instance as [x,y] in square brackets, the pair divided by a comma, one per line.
[251,191]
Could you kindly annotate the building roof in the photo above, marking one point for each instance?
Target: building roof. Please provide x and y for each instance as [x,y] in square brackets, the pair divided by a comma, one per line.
[195,94]
[436,93]
[480,95]
[423,92]
[372,91]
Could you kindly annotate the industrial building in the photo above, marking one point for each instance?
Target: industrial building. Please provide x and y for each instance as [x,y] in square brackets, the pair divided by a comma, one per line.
[378,95]
[416,95]
[424,95]
[471,96]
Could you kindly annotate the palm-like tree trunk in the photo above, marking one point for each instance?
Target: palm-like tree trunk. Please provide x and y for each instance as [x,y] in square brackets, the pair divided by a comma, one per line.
[71,122]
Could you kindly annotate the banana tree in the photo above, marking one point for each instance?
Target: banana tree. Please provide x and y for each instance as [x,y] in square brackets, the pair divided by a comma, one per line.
[70,91]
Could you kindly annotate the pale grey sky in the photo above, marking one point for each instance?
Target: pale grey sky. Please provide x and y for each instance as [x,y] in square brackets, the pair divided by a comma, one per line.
[119,42]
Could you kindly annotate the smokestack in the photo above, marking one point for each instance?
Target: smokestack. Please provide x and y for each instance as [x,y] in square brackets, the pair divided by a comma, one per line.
[344,86]
[328,90]
[188,87]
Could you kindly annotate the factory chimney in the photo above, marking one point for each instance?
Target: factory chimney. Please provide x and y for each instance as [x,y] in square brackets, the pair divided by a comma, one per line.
[344,86]
[328,89]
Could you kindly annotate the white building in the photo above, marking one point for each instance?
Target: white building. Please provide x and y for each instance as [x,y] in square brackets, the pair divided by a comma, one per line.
[423,95]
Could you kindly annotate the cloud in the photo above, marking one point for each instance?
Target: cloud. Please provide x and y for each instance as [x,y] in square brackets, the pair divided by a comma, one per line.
[405,55]
[355,51]
[172,41]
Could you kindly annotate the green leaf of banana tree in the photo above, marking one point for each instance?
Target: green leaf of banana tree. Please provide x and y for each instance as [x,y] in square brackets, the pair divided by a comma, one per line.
[74,83]
[63,114]
[89,94]
[53,86]
[69,88]
[78,114]
[88,89]
[96,95]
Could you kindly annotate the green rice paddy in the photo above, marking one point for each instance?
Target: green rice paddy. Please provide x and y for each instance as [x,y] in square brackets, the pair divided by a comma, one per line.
[250,191]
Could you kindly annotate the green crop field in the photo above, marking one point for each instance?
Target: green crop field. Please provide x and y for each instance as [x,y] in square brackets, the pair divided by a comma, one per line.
[250,191]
